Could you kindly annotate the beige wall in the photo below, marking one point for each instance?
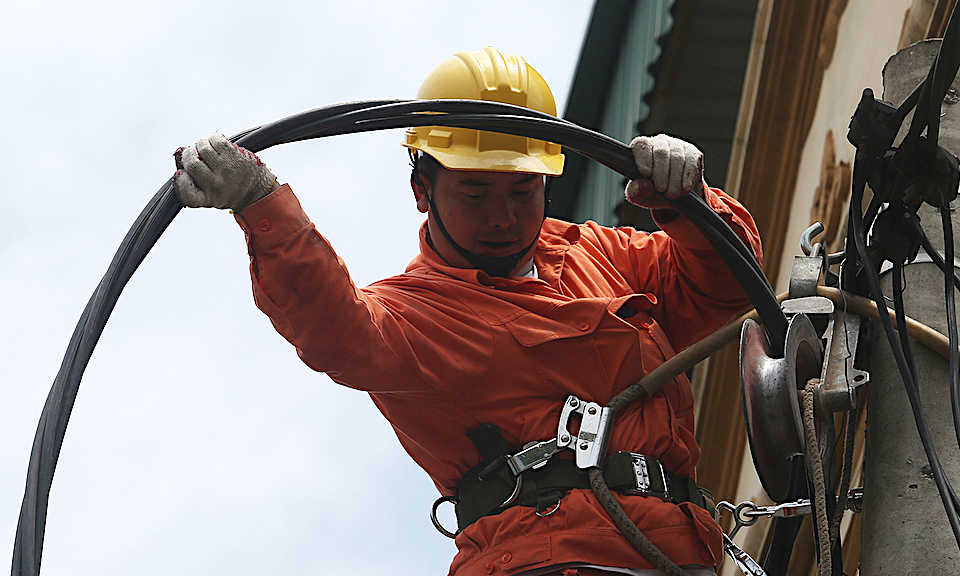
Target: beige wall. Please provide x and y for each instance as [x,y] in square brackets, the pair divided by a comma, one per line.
[868,35]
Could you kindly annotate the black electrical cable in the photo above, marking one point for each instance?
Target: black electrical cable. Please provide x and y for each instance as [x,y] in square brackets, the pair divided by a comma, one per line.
[952,281]
[148,227]
[935,85]
[350,117]
[914,149]
[937,258]
[898,309]
[951,310]
[942,73]
[531,123]
[947,495]
[598,147]
[785,530]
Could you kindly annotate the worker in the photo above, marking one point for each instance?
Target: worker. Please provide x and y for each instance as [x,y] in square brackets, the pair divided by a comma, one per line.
[504,315]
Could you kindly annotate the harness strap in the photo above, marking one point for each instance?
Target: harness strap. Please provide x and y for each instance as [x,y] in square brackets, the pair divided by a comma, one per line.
[489,489]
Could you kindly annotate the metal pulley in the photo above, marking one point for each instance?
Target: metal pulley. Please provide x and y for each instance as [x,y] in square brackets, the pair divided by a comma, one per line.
[770,389]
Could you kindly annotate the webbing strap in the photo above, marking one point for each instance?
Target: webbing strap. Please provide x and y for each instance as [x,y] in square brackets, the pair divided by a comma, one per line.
[486,488]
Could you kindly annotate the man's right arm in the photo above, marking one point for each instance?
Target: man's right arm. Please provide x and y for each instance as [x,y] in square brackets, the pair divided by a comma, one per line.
[298,280]
[304,287]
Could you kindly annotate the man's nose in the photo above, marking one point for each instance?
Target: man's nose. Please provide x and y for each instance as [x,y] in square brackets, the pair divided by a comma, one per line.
[503,214]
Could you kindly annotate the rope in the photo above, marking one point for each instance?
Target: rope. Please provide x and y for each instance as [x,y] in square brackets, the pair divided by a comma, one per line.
[819,485]
[641,543]
[689,357]
[850,433]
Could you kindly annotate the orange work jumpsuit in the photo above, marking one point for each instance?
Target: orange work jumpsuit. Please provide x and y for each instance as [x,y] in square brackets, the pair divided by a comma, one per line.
[443,350]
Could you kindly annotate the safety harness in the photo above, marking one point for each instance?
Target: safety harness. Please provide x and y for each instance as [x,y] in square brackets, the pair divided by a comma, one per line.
[533,477]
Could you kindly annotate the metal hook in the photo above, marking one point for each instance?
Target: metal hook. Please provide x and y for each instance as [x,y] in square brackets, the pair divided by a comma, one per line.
[806,239]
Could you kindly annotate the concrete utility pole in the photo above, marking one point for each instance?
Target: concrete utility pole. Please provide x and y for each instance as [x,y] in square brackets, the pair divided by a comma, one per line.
[905,529]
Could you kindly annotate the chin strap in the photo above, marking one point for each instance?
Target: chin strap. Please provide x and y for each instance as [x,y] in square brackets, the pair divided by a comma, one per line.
[494,266]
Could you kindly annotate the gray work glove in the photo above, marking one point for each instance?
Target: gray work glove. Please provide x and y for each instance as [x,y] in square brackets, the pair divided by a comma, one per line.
[670,167]
[216,173]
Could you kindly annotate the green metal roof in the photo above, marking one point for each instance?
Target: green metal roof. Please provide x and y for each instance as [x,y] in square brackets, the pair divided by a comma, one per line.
[650,66]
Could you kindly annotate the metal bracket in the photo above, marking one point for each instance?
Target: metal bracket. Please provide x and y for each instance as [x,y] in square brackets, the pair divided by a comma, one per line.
[805,275]
[591,443]
[533,455]
[839,380]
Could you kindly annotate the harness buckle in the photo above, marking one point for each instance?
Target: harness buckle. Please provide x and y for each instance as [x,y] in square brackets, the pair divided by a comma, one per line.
[533,455]
[589,444]
[644,480]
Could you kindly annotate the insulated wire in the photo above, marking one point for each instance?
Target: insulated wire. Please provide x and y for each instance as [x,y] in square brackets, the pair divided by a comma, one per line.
[515,120]
[148,227]
[349,117]
[947,495]
[598,147]
[943,71]
[951,309]
[934,254]
[898,309]
[593,145]
[927,98]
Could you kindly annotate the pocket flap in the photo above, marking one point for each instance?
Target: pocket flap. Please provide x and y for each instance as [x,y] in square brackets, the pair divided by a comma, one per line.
[568,320]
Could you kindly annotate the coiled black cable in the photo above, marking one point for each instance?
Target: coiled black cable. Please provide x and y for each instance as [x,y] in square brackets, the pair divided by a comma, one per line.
[349,117]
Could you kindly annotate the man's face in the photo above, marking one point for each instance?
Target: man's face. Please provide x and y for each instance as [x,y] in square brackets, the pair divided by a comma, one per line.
[492,213]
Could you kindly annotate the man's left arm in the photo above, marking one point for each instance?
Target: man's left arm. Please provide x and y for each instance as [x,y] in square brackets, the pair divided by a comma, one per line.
[696,290]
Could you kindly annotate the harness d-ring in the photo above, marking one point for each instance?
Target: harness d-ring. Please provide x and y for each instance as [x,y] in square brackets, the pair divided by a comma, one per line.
[436,521]
[552,508]
[516,492]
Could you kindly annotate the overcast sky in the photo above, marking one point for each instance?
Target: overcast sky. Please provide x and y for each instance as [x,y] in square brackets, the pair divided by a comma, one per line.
[199,443]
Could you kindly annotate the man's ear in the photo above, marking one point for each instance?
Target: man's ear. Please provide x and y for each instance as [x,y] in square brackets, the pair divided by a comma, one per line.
[420,193]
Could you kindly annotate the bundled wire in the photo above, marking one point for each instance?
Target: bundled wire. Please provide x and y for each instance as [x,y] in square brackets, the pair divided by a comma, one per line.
[914,150]
[345,118]
[947,495]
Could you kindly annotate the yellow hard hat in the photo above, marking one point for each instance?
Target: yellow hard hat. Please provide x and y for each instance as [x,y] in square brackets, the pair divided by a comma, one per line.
[487,75]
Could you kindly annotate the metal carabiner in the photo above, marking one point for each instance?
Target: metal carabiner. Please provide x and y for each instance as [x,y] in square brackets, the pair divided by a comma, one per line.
[741,559]
[785,510]
[516,492]
[740,517]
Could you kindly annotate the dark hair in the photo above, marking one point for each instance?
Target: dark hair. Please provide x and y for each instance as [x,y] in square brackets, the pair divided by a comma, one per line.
[423,167]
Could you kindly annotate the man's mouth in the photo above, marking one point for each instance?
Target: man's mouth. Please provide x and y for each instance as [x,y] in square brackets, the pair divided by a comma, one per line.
[499,248]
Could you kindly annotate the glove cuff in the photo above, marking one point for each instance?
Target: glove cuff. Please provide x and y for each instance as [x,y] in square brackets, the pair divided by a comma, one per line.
[260,189]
